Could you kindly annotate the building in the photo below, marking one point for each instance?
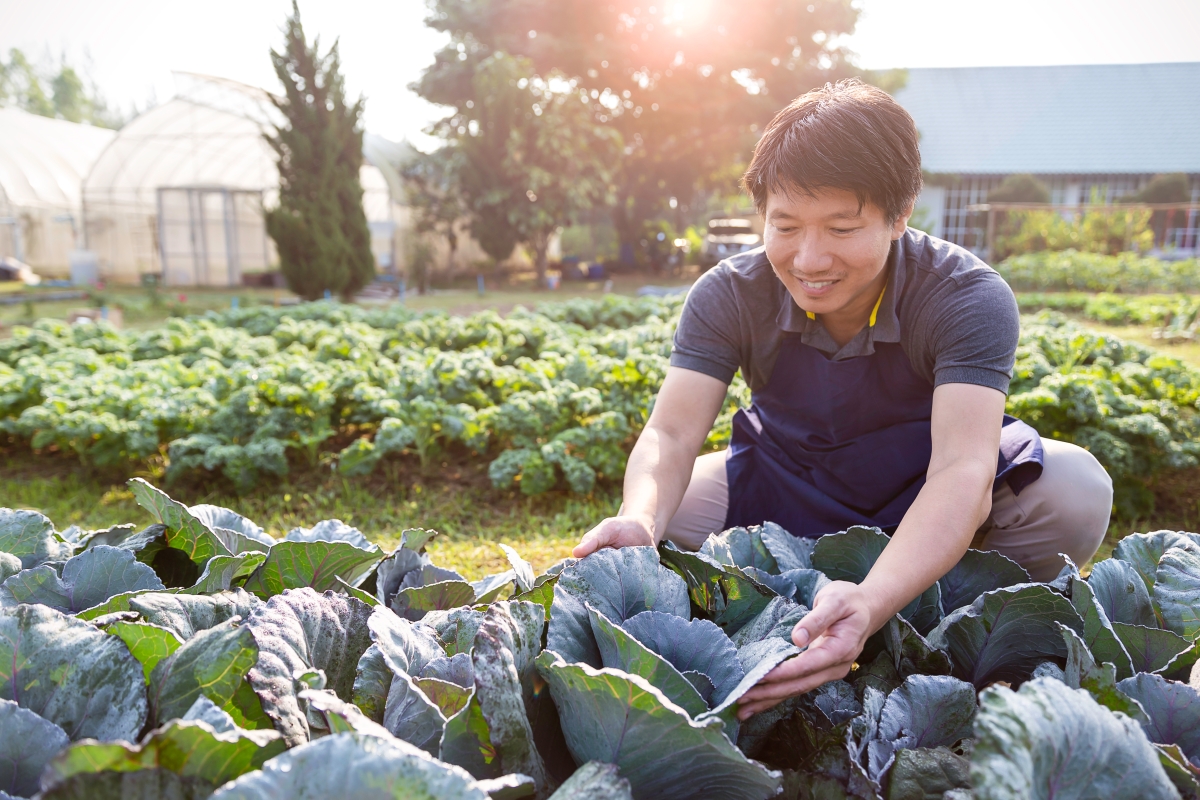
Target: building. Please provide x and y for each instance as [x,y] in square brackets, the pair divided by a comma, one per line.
[1095,130]
[179,192]
[42,165]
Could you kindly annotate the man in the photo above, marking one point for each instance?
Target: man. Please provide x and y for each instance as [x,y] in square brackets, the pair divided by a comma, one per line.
[879,359]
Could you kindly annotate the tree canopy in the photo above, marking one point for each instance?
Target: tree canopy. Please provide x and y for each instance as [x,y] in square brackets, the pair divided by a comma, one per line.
[64,94]
[685,85]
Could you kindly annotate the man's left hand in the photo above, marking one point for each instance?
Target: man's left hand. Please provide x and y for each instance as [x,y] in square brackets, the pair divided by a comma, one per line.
[835,631]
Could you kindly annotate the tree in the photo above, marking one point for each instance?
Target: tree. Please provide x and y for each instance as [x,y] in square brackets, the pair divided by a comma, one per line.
[687,85]
[437,205]
[527,154]
[1021,188]
[319,228]
[71,98]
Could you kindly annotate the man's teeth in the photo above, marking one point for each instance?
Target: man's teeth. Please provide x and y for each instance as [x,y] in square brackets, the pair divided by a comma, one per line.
[816,284]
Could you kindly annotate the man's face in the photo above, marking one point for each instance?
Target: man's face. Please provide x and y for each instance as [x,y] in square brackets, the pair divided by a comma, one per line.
[827,250]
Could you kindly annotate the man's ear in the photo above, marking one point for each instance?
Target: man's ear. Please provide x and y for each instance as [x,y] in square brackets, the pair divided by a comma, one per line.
[901,222]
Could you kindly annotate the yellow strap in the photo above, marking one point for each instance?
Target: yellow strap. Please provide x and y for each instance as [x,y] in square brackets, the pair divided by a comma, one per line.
[874,311]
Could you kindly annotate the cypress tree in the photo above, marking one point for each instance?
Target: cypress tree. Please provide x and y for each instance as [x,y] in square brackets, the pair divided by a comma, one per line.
[319,228]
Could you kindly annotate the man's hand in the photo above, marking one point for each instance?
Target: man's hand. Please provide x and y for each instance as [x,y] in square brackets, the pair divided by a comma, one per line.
[624,531]
[834,631]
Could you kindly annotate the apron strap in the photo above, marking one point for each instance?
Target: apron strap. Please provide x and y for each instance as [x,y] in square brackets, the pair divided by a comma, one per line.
[874,311]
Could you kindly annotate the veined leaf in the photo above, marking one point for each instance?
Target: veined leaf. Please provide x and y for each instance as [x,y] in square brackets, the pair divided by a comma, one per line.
[212,663]
[31,537]
[1098,633]
[613,717]
[341,717]
[9,565]
[69,672]
[148,643]
[522,570]
[594,781]
[691,646]
[299,631]
[223,573]
[417,601]
[727,597]
[739,547]
[411,716]
[183,530]
[27,743]
[1121,593]
[372,680]
[354,765]
[310,564]
[506,645]
[157,783]
[187,615]
[1150,649]
[1177,587]
[1051,741]
[1005,633]
[331,530]
[467,741]
[619,584]
[88,580]
[790,552]
[405,647]
[621,651]
[1172,711]
[188,748]
[978,571]
[778,619]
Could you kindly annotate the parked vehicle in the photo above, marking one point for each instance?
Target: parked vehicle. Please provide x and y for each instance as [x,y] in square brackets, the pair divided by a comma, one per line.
[727,237]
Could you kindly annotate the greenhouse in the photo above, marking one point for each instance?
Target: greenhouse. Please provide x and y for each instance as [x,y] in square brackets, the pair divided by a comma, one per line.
[180,191]
[42,166]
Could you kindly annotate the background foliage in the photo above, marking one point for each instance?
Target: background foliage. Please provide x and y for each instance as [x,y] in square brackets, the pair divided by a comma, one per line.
[319,227]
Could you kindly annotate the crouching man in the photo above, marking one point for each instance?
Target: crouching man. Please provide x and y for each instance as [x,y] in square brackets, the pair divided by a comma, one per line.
[878,358]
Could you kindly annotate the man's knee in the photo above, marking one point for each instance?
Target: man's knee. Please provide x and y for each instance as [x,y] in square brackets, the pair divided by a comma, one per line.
[1080,492]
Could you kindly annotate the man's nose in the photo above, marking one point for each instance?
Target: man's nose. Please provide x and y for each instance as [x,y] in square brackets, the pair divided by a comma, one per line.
[812,257]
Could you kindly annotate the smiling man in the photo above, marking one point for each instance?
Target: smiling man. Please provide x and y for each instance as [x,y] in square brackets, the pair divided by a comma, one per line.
[879,359]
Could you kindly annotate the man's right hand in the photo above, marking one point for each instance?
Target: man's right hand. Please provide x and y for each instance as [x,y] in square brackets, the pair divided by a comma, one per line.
[623,531]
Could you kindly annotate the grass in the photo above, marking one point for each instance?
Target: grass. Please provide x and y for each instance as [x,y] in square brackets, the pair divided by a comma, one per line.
[457,501]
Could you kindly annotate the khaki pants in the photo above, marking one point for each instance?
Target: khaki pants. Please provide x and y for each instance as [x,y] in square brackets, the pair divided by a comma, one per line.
[1066,510]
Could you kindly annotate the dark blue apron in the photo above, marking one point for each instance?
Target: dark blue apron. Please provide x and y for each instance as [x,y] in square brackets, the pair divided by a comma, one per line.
[829,444]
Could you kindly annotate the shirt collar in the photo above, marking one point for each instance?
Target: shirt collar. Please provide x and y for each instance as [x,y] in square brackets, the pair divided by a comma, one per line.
[887,322]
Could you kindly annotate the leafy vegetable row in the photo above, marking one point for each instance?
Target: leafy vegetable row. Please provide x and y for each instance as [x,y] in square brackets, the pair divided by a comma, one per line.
[199,657]
[553,398]
[1071,270]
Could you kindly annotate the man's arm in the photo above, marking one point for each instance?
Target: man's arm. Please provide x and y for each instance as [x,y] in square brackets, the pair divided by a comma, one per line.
[932,537]
[660,465]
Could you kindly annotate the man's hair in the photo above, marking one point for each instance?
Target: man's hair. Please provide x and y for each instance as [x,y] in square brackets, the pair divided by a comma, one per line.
[845,135]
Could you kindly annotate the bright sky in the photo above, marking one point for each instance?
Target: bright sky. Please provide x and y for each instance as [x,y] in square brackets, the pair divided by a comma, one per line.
[133,45]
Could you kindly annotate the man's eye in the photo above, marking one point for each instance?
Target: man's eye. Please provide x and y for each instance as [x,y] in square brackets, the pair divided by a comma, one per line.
[844,230]
[784,230]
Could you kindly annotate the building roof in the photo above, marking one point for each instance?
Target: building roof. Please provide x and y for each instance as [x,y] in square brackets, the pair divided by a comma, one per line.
[210,135]
[1108,118]
[43,161]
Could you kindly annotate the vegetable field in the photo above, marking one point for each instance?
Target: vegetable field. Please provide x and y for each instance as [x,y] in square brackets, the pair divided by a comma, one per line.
[1070,270]
[550,399]
[199,657]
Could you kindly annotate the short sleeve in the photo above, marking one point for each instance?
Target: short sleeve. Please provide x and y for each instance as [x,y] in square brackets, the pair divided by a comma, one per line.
[706,339]
[973,337]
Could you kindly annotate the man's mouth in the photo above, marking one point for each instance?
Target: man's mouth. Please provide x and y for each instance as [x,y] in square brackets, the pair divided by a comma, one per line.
[815,286]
